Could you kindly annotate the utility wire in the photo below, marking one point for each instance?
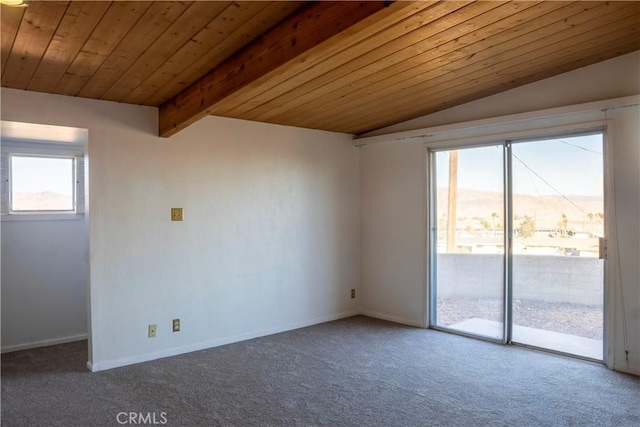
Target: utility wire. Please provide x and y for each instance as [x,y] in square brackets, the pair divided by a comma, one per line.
[578,146]
[547,182]
[533,182]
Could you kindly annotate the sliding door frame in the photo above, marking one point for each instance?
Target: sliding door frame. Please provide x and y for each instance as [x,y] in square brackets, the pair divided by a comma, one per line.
[508,245]
[432,241]
[432,238]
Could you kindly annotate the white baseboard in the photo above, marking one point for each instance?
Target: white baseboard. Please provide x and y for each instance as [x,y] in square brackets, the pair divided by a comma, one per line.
[43,343]
[117,363]
[396,319]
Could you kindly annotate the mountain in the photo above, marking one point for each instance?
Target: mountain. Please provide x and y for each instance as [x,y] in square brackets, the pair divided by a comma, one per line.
[42,201]
[474,205]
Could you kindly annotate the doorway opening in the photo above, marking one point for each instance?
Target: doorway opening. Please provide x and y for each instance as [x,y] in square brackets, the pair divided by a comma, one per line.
[45,235]
[517,242]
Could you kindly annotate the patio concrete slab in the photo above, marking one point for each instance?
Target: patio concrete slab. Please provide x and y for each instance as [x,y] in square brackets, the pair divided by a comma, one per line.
[557,341]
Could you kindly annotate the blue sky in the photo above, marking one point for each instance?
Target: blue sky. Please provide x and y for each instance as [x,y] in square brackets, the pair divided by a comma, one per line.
[571,165]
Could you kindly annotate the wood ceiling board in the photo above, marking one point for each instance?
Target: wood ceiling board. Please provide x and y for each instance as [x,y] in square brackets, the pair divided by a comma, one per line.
[530,55]
[75,28]
[474,91]
[153,23]
[577,60]
[405,61]
[112,28]
[384,29]
[326,75]
[621,46]
[549,54]
[352,74]
[198,55]
[438,61]
[479,93]
[38,25]
[551,59]
[407,93]
[198,15]
[315,24]
[11,18]
[441,33]
[267,18]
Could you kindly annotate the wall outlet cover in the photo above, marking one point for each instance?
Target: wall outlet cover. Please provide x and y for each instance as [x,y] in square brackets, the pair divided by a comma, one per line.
[177,214]
[152,331]
[176,325]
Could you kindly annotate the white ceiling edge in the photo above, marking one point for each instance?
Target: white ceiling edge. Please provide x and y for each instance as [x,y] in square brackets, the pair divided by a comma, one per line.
[32,132]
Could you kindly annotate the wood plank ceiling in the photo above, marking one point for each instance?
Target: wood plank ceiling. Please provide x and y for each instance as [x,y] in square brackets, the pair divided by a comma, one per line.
[386,66]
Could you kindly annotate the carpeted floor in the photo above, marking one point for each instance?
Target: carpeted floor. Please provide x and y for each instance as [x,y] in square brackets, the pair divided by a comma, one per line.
[352,372]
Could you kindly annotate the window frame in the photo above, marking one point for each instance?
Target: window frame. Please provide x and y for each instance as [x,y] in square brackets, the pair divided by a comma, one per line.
[43,150]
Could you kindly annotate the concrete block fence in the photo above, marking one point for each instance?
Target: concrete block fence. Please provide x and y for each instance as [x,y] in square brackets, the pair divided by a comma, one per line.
[574,280]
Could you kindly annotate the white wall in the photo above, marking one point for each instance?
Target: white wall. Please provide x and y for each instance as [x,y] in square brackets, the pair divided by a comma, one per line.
[270,240]
[44,283]
[624,135]
[392,198]
[392,186]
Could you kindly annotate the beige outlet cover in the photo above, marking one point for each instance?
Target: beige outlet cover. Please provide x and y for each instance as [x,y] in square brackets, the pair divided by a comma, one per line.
[177,214]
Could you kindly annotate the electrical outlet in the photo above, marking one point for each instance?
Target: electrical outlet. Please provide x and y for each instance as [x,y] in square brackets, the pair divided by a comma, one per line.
[152,331]
[353,293]
[176,325]
[177,214]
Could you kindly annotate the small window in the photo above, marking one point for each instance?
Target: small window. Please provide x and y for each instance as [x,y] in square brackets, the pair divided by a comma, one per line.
[35,184]
[42,184]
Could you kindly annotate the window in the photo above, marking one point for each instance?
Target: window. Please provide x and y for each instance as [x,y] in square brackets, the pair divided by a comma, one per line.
[41,182]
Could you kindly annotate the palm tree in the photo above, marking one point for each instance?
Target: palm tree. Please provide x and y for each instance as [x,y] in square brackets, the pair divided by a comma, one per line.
[494,216]
[563,224]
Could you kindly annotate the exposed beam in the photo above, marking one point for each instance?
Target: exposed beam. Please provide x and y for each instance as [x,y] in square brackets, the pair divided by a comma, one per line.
[297,35]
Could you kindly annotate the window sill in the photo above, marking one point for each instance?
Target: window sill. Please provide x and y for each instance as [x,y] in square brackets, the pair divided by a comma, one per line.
[42,217]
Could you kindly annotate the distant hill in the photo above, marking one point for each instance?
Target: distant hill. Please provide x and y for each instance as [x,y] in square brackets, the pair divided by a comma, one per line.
[42,201]
[546,210]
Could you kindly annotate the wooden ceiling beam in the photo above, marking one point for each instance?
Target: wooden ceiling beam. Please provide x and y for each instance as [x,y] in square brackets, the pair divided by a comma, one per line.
[300,33]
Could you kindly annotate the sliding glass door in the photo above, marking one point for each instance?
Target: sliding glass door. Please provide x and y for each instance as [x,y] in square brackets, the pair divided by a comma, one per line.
[558,270]
[468,232]
[543,201]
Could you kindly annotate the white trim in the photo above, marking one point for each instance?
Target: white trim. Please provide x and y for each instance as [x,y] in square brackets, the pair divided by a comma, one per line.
[512,119]
[611,254]
[63,216]
[78,188]
[116,363]
[426,308]
[395,319]
[43,343]
[533,133]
